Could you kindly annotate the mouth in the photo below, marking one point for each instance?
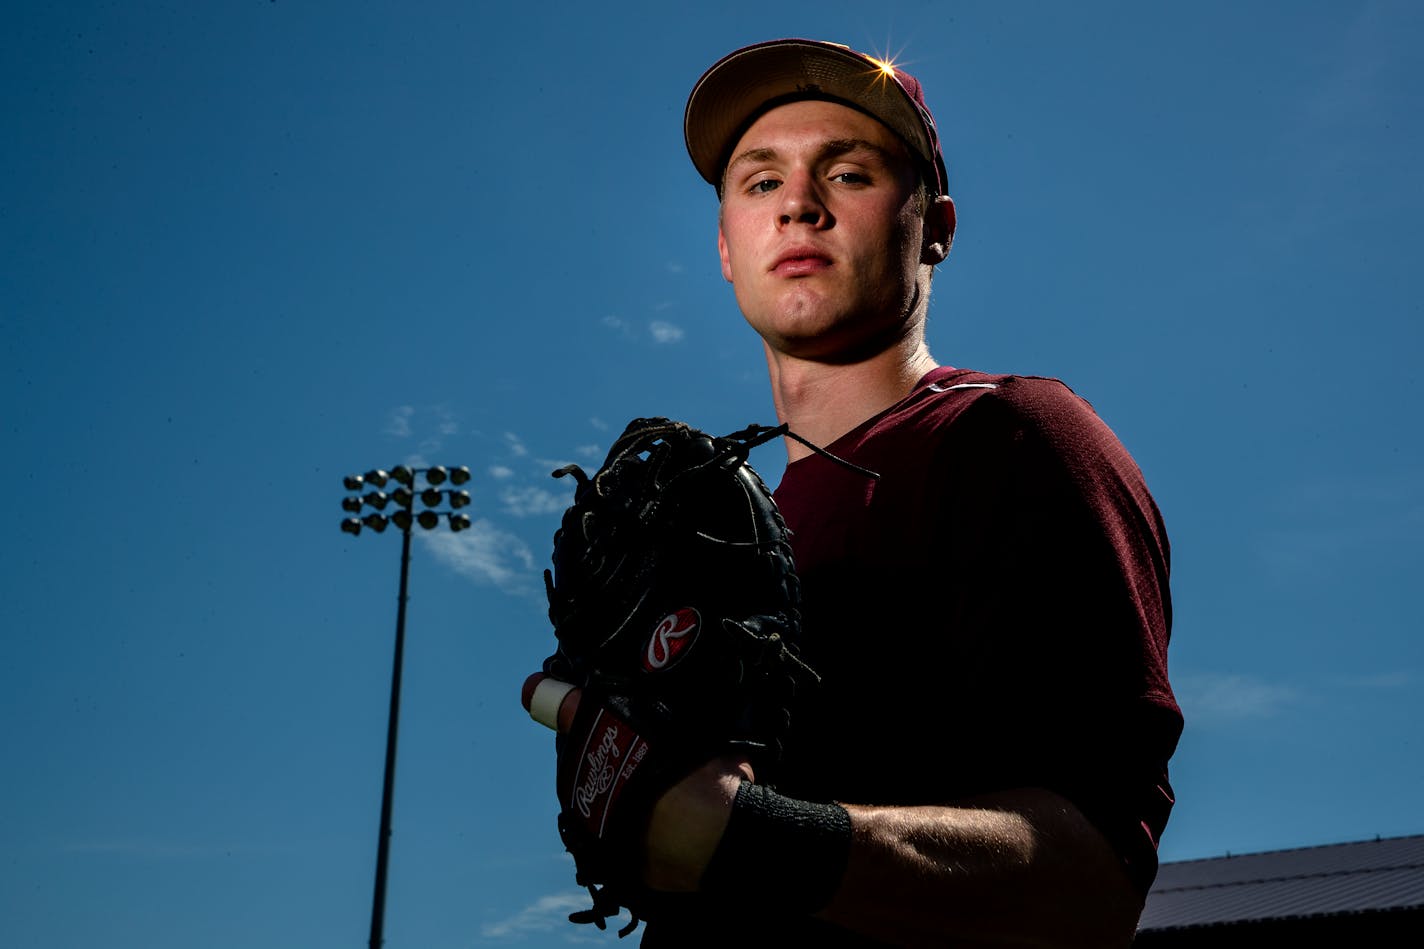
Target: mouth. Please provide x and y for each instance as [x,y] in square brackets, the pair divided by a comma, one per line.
[800,262]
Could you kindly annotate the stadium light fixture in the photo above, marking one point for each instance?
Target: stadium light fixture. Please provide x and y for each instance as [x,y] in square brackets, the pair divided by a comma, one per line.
[438,504]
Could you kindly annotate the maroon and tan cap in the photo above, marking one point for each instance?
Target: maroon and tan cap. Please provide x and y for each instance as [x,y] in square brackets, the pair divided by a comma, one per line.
[740,86]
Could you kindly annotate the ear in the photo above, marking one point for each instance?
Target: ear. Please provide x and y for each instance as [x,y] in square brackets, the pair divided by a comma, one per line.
[724,254]
[939,230]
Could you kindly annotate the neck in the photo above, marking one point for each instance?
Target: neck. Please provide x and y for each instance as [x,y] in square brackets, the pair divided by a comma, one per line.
[822,401]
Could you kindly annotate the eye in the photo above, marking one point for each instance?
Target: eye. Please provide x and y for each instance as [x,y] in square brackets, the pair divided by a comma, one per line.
[851,178]
[764,186]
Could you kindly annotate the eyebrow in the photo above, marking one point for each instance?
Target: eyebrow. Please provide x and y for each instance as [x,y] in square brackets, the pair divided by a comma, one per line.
[831,148]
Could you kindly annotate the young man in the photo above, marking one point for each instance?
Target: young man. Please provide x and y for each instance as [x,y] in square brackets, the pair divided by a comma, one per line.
[986,761]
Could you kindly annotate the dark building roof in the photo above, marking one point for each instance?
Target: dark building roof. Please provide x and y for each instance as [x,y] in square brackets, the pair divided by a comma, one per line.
[1373,876]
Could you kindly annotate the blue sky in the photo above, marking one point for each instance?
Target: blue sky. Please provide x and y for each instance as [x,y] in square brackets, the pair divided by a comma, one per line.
[253,246]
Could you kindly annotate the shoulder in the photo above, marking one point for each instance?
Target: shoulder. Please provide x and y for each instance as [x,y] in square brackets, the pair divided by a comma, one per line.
[1012,404]
[1027,427]
[963,421]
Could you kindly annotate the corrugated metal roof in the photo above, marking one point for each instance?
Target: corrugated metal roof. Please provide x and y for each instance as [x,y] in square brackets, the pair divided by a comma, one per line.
[1369,876]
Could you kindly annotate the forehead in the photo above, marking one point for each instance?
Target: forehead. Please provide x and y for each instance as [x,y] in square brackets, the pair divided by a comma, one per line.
[810,123]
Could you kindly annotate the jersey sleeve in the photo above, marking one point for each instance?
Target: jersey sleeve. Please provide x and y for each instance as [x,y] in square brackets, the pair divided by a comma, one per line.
[1063,562]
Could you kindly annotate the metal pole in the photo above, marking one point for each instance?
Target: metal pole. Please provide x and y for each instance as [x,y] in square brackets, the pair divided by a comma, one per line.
[383,846]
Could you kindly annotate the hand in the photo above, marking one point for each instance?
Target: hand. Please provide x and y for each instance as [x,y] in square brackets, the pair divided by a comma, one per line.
[560,718]
[687,822]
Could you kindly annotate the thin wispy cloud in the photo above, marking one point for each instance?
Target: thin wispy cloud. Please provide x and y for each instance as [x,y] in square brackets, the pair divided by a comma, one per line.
[661,332]
[148,848]
[485,554]
[499,472]
[1362,76]
[398,421]
[532,502]
[433,424]
[1383,681]
[1217,698]
[1329,522]
[545,915]
[1361,84]
[515,445]
[589,451]
[548,466]
[1345,494]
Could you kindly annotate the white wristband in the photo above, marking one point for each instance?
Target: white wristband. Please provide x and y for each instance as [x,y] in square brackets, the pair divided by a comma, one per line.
[544,703]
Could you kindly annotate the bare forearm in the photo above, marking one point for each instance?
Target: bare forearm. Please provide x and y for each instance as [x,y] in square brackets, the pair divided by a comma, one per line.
[1015,868]
[1019,868]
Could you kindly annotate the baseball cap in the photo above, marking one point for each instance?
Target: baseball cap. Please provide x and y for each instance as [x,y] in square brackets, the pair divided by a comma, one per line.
[744,84]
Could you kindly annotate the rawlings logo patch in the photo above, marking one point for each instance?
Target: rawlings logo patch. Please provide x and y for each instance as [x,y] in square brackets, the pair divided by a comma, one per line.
[673,636]
[609,758]
[596,770]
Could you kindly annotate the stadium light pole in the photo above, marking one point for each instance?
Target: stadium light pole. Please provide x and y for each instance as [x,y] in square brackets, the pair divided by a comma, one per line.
[436,503]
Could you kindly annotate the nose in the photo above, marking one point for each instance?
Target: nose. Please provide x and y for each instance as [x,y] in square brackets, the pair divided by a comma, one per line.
[801,202]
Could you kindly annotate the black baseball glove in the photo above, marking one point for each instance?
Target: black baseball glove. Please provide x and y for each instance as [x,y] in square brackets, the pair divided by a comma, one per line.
[675,603]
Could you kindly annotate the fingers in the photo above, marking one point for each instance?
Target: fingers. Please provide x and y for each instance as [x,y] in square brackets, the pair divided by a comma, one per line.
[550,702]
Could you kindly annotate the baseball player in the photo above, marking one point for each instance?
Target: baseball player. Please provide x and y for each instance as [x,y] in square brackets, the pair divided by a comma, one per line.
[985,760]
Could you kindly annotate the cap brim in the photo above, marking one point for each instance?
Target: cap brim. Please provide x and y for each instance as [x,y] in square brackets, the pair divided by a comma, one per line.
[735,90]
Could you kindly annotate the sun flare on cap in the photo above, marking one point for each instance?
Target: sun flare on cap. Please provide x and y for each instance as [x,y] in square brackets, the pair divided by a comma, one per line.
[742,85]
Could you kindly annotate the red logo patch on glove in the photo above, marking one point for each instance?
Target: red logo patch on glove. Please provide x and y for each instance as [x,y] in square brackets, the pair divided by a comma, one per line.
[673,636]
[608,759]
